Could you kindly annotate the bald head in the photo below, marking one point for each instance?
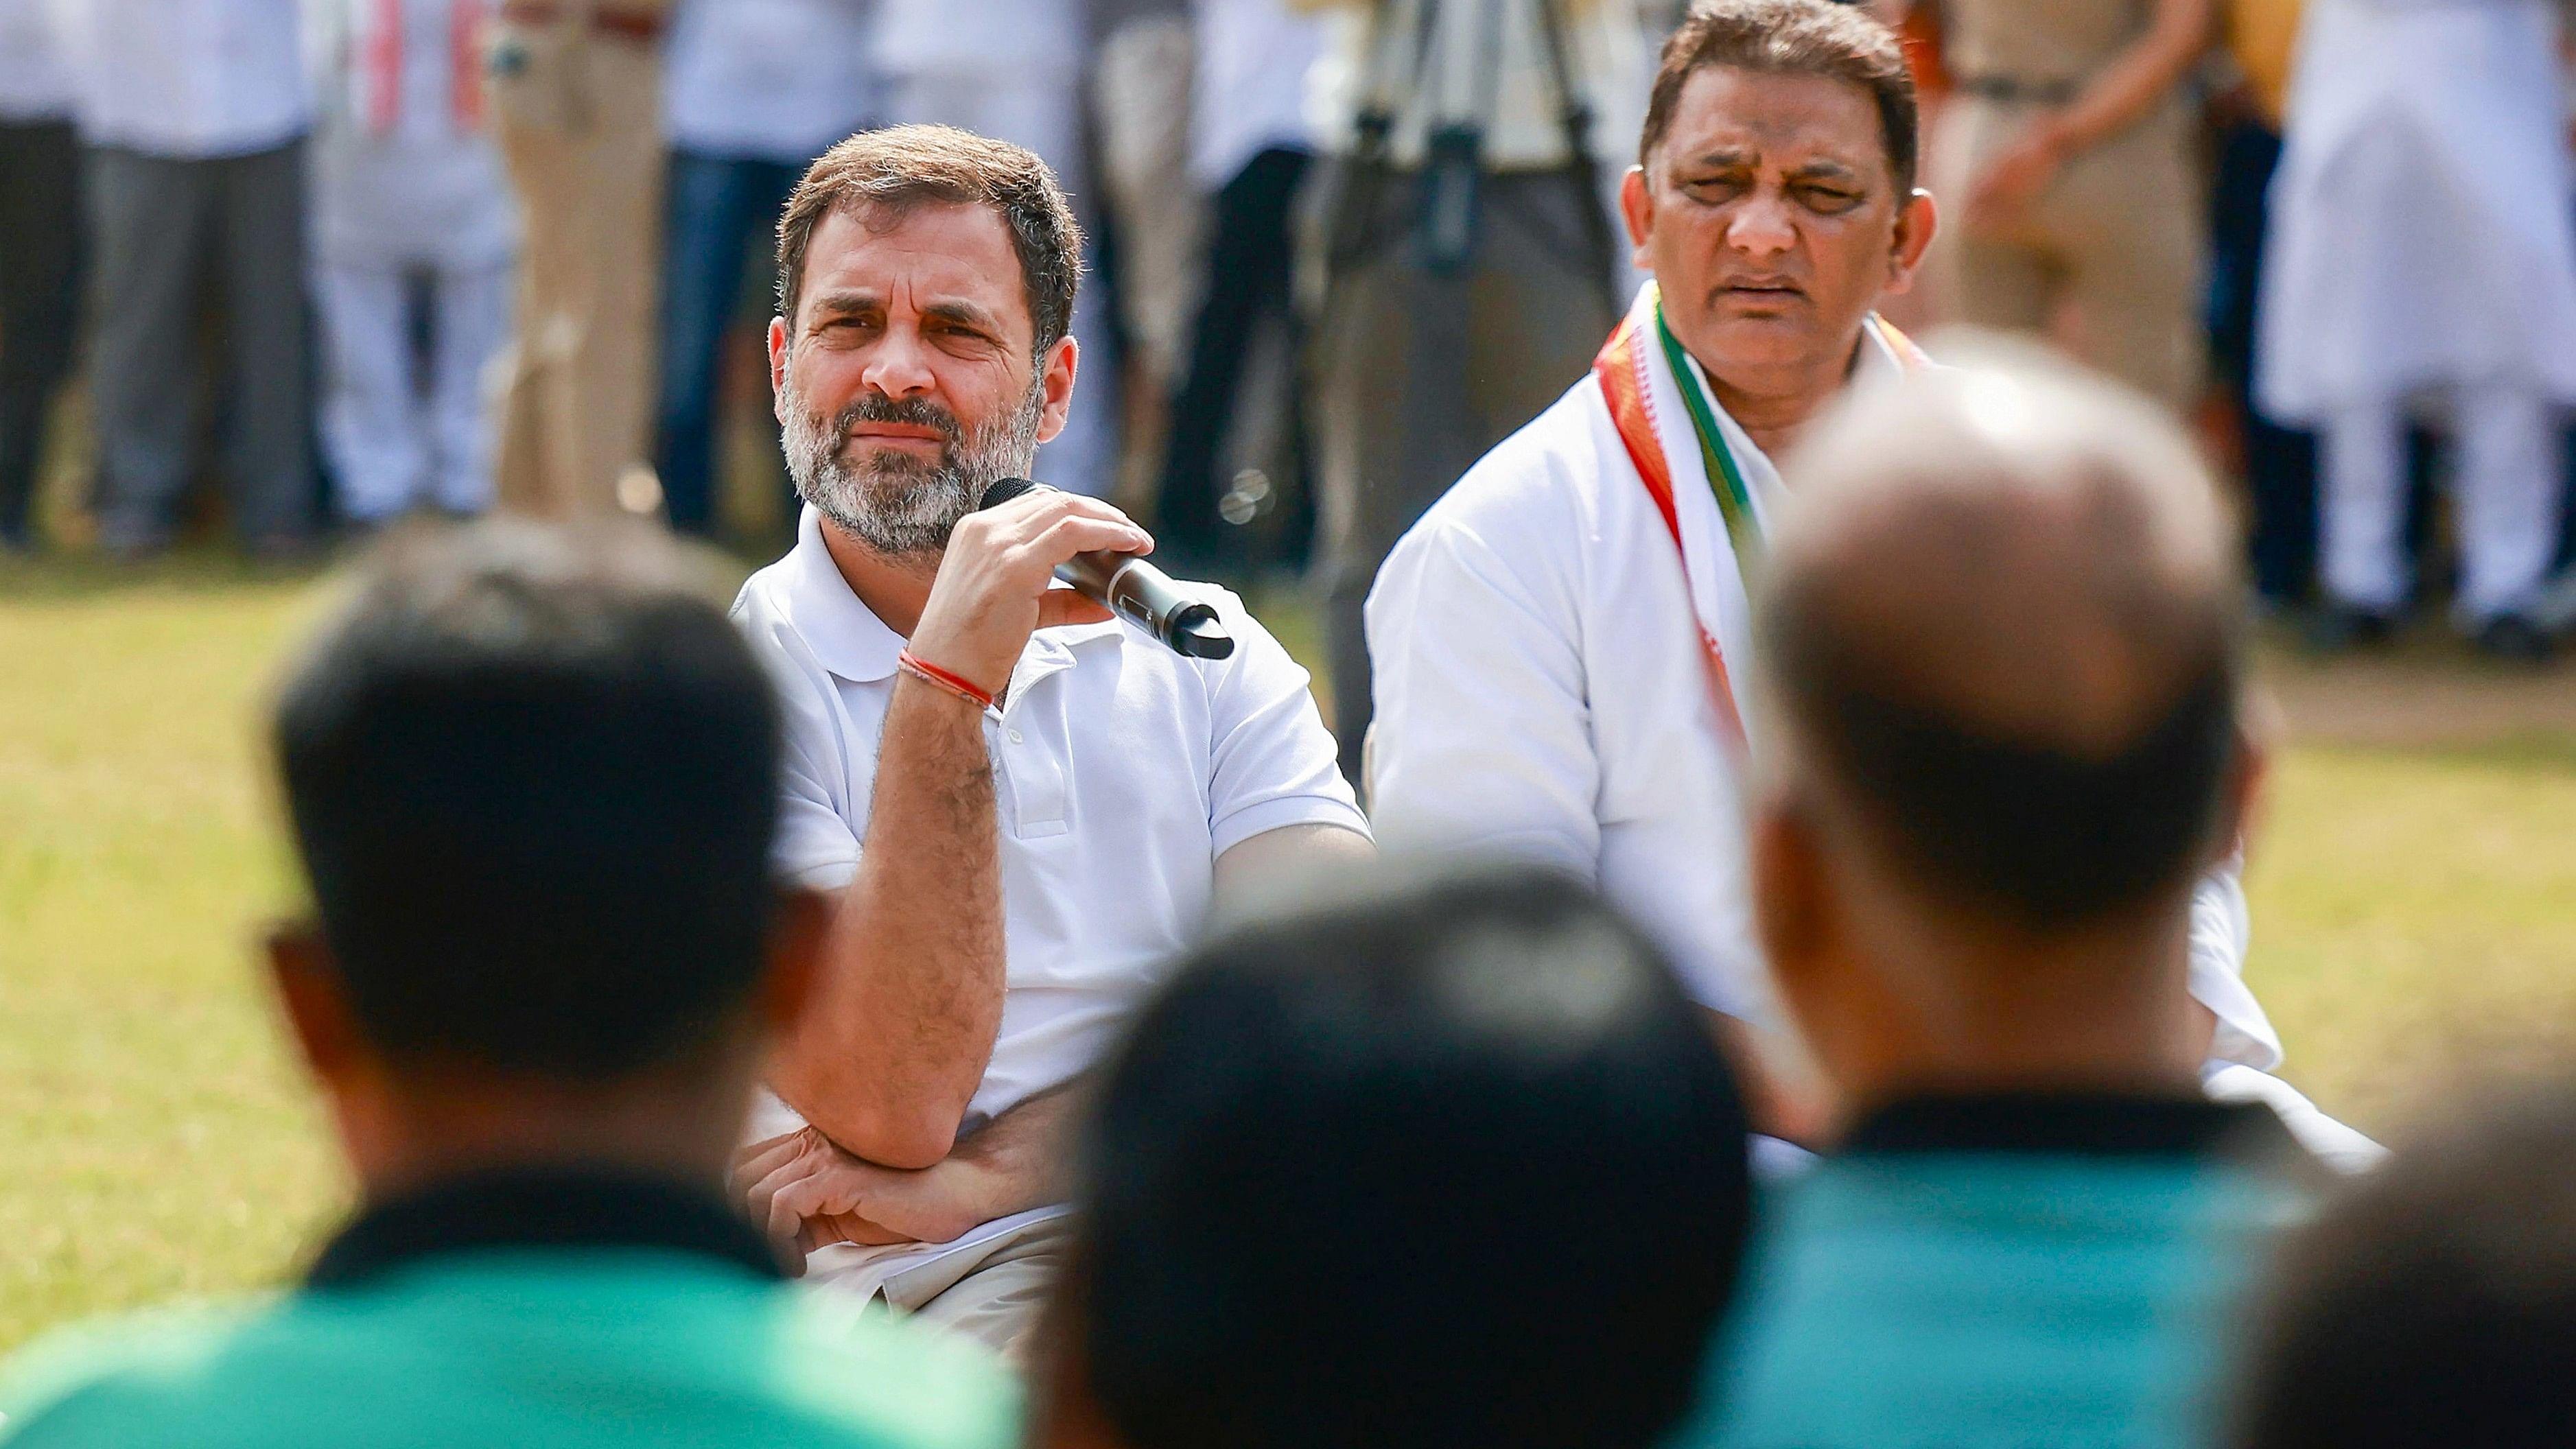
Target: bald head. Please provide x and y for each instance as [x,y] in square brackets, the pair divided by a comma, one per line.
[2001,625]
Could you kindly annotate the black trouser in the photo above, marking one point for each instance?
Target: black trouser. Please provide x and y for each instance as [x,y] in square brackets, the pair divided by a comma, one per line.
[40,263]
[2280,464]
[159,221]
[1251,259]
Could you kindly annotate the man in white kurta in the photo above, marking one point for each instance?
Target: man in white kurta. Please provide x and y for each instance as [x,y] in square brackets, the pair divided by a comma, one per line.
[411,209]
[1552,647]
[2423,261]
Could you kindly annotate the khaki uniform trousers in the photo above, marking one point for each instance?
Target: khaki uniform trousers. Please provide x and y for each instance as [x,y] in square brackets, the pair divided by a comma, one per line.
[995,1293]
[577,111]
[2119,235]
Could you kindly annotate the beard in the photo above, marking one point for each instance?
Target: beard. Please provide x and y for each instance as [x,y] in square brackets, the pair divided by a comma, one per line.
[897,504]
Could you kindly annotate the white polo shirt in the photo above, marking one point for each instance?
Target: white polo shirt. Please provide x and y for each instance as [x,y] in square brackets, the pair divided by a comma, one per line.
[1121,772]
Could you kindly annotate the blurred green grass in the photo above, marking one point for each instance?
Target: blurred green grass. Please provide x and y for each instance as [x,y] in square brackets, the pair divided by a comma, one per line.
[2415,918]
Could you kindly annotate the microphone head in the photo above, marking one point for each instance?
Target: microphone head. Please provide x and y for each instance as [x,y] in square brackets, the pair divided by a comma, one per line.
[1003,490]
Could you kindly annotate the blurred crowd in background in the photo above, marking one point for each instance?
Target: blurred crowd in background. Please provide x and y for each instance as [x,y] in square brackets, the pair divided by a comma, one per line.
[323,262]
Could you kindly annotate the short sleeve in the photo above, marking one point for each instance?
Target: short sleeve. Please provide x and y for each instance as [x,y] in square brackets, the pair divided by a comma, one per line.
[1482,737]
[1271,762]
[815,847]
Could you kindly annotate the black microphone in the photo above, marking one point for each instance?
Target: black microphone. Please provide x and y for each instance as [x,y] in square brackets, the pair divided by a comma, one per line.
[1126,584]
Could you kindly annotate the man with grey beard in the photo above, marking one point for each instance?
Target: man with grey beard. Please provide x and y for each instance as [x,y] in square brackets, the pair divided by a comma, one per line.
[1022,805]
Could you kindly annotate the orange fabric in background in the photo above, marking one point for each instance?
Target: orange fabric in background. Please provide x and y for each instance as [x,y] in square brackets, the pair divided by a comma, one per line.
[2262,35]
[1922,35]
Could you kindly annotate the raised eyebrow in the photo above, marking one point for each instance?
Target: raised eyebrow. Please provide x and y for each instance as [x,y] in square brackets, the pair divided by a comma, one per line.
[843,304]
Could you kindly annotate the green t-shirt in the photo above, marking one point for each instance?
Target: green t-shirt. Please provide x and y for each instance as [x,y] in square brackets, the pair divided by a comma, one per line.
[2005,1273]
[565,1312]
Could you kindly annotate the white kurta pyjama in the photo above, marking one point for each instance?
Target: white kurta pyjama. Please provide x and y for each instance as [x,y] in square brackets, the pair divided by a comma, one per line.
[1541,692]
[410,206]
[2423,250]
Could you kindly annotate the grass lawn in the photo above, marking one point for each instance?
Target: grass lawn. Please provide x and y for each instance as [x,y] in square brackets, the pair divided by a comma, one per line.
[2414,900]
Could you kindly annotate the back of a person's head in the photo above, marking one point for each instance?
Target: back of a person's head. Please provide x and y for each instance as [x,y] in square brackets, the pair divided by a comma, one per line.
[1457,1164]
[2002,623]
[533,780]
[2435,1303]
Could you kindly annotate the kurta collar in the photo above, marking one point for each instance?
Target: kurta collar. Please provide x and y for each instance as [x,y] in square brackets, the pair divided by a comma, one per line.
[564,1206]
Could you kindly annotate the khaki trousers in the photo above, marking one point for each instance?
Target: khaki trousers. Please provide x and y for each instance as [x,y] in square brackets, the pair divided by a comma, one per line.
[2119,235]
[578,115]
[995,1294]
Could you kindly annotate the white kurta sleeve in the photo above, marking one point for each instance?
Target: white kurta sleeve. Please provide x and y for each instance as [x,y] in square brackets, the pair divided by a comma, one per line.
[2221,928]
[1482,740]
[1271,761]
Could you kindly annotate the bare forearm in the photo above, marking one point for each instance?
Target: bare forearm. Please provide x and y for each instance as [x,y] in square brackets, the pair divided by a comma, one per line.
[912,989]
[2139,79]
[1019,1158]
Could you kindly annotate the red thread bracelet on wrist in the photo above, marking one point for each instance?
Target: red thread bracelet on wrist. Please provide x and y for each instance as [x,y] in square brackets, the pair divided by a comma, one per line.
[956,684]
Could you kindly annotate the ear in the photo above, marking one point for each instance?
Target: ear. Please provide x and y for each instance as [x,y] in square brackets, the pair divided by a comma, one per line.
[1061,362]
[794,979]
[1637,209]
[778,369]
[315,1002]
[1916,223]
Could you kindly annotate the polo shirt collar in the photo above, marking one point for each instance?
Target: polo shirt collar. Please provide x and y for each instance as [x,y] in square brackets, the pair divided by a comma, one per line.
[845,634]
[851,641]
[2078,1123]
[563,1206]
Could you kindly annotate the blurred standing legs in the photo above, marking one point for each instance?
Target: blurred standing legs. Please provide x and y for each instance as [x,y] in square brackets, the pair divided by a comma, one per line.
[720,209]
[2280,463]
[577,112]
[1251,259]
[153,219]
[39,302]
[395,443]
[1419,374]
[2507,492]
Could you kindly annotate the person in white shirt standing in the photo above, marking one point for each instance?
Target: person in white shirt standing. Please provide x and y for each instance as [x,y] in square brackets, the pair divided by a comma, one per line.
[1557,641]
[39,252]
[753,91]
[195,113]
[2422,260]
[412,210]
[1011,69]
[1025,805]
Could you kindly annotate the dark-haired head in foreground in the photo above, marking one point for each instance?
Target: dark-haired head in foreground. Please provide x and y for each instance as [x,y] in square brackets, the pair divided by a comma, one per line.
[2000,634]
[532,776]
[1456,1165]
[532,784]
[2435,1305]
